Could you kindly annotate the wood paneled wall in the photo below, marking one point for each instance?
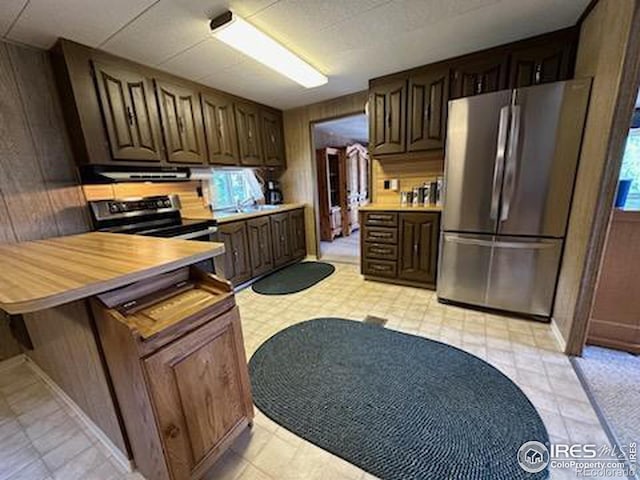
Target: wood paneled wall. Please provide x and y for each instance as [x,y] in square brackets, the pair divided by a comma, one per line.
[298,182]
[193,206]
[39,195]
[412,172]
[604,39]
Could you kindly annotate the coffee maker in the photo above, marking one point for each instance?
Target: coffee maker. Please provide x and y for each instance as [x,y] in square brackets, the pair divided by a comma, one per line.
[273,194]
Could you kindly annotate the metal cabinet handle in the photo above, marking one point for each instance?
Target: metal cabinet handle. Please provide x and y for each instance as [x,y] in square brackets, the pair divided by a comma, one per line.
[415,248]
[130,115]
[180,125]
[537,76]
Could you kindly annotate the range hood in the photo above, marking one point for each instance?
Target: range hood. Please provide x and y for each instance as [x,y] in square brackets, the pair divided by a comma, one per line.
[101,174]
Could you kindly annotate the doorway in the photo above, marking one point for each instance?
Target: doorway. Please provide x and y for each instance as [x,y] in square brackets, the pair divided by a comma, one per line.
[609,367]
[342,184]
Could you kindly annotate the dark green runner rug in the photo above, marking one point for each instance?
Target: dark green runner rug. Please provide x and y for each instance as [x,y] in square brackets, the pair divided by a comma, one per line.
[396,405]
[294,278]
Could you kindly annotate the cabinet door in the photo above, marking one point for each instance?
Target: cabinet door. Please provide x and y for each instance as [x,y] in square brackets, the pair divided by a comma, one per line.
[418,247]
[181,117]
[298,239]
[272,140]
[237,266]
[249,142]
[387,103]
[259,231]
[484,73]
[542,62]
[428,96]
[199,387]
[281,233]
[129,111]
[220,129]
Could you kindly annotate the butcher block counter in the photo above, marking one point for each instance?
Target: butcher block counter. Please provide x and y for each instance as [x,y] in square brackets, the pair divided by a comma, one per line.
[145,345]
[48,273]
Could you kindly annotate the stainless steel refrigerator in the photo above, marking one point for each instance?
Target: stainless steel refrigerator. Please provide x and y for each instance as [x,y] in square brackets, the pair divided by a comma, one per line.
[510,165]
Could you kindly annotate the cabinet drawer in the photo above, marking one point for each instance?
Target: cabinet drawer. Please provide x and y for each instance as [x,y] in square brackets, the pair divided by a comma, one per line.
[380,268]
[381,235]
[381,219]
[380,251]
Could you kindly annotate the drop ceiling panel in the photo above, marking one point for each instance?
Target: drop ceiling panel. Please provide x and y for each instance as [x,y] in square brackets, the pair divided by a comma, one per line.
[9,11]
[85,21]
[203,60]
[173,26]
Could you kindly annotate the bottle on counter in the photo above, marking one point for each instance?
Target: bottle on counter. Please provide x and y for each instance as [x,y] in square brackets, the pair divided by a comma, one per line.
[415,197]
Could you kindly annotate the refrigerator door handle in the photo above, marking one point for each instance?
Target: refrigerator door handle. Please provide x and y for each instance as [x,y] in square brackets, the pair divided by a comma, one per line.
[511,163]
[498,167]
[499,244]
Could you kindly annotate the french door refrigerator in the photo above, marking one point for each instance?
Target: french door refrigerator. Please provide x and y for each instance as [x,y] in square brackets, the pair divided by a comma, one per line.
[510,164]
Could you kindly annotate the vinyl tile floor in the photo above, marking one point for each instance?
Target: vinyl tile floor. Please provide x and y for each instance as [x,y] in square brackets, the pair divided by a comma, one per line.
[40,438]
[342,249]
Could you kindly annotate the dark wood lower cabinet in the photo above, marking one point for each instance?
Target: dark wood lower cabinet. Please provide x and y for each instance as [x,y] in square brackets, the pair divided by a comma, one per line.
[259,230]
[257,246]
[418,247]
[404,251]
[298,238]
[281,230]
[236,264]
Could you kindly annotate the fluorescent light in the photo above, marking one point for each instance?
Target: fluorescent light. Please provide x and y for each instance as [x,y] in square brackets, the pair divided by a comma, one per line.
[241,35]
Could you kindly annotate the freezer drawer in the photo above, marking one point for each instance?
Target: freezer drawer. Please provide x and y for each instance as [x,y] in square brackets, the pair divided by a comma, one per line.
[516,274]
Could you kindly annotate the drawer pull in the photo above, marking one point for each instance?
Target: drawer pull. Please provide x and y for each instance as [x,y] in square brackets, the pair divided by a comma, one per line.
[380,267]
[380,250]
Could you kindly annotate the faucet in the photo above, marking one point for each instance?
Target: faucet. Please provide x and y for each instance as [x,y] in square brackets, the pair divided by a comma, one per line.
[240,205]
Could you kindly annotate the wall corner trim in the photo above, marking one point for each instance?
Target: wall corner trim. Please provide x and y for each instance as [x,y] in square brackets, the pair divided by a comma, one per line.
[117,455]
[558,336]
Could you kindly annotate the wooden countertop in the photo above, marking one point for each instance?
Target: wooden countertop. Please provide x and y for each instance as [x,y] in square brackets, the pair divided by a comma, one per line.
[234,217]
[382,207]
[48,273]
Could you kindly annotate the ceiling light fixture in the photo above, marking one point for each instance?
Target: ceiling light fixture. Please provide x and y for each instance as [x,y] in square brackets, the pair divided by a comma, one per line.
[241,35]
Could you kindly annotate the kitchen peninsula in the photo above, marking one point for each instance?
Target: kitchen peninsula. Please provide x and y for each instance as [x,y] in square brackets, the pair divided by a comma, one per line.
[148,346]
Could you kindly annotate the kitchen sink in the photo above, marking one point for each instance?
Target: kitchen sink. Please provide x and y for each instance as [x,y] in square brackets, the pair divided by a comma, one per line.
[248,209]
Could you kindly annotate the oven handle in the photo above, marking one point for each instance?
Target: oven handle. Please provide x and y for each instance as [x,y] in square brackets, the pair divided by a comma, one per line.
[199,233]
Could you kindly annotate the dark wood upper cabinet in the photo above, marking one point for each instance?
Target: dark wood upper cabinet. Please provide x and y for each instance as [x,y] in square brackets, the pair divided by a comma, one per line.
[272,139]
[427,120]
[281,235]
[387,104]
[298,239]
[181,117]
[481,73]
[249,141]
[220,129]
[259,231]
[237,265]
[418,242]
[543,60]
[128,105]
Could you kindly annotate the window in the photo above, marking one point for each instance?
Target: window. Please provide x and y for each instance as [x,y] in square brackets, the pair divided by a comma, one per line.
[631,168]
[233,186]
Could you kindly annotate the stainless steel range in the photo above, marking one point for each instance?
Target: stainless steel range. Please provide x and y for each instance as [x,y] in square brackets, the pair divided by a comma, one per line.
[157,216]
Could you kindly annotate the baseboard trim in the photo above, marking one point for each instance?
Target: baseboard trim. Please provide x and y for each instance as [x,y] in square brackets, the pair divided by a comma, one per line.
[12,362]
[115,452]
[559,338]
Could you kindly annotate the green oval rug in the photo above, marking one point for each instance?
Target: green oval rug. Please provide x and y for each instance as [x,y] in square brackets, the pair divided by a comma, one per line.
[396,405]
[294,278]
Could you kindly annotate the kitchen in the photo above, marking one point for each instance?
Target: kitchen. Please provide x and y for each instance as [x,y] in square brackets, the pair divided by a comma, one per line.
[115,345]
